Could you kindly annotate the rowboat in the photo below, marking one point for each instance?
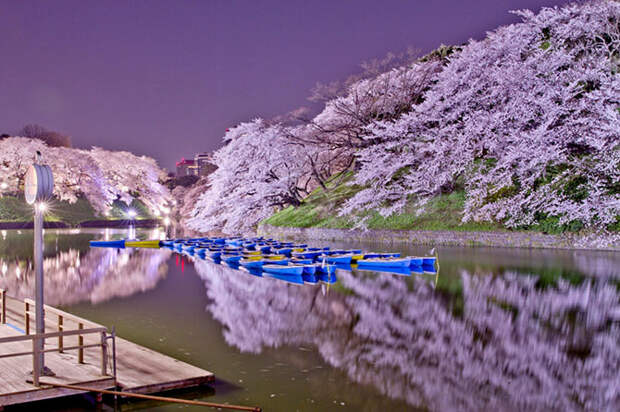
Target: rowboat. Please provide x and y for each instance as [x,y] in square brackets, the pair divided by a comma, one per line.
[327,277]
[252,263]
[416,261]
[297,261]
[309,279]
[294,279]
[428,260]
[214,254]
[384,262]
[306,255]
[406,271]
[346,259]
[284,270]
[231,258]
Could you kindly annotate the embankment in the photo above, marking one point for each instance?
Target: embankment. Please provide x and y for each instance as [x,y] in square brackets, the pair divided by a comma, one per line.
[445,237]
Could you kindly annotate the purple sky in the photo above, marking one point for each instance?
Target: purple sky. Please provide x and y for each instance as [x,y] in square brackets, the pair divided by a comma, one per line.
[166,78]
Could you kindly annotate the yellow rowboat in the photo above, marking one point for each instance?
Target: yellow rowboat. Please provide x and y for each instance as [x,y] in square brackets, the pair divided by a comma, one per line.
[150,244]
[299,249]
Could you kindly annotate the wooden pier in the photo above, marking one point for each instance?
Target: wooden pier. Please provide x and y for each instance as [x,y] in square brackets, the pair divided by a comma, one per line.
[80,353]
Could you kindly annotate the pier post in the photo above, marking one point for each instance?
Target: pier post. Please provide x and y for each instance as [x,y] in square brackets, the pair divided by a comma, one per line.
[60,329]
[27,318]
[81,344]
[104,354]
[3,297]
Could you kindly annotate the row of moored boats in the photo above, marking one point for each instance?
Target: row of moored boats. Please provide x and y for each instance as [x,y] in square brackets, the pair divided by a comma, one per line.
[292,261]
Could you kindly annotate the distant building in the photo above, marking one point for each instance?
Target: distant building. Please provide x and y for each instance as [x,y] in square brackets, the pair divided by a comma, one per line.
[204,164]
[186,168]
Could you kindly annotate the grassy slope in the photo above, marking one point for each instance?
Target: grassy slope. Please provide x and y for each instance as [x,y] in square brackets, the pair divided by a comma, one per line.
[14,209]
[319,209]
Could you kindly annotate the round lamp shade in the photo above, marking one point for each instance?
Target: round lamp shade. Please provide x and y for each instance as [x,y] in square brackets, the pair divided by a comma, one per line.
[39,183]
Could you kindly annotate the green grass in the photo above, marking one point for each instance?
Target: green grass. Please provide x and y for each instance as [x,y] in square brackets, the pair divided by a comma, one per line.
[320,209]
[15,209]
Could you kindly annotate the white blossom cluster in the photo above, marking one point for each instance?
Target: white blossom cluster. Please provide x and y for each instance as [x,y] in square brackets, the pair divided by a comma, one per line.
[527,119]
[101,176]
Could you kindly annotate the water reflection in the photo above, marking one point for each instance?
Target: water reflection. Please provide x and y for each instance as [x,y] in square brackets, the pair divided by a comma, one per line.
[95,276]
[514,344]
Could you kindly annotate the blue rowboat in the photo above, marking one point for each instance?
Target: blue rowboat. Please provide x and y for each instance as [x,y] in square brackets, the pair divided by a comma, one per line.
[167,242]
[284,270]
[265,249]
[253,271]
[280,262]
[119,244]
[406,271]
[325,269]
[428,260]
[384,263]
[317,249]
[429,270]
[327,277]
[306,255]
[294,279]
[309,279]
[188,248]
[284,251]
[372,255]
[309,269]
[252,264]
[214,254]
[298,261]
[341,259]
[416,261]
[231,258]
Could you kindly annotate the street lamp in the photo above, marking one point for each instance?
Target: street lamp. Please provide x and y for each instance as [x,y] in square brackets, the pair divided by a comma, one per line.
[38,188]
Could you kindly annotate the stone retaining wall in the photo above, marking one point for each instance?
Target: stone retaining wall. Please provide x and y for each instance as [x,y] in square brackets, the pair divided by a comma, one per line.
[445,238]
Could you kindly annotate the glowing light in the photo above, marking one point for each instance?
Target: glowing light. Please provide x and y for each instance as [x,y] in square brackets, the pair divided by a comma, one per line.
[106,213]
[156,212]
[5,268]
[3,185]
[166,221]
[165,210]
[42,207]
[131,213]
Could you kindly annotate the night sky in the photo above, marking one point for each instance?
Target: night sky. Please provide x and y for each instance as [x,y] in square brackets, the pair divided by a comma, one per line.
[166,78]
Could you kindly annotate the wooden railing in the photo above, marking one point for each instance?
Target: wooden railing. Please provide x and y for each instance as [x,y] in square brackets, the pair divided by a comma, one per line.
[62,318]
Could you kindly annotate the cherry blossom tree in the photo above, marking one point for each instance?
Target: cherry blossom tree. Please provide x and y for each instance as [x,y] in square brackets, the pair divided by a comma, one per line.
[97,174]
[259,169]
[527,118]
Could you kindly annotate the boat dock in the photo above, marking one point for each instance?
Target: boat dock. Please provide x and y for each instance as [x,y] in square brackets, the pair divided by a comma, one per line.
[80,353]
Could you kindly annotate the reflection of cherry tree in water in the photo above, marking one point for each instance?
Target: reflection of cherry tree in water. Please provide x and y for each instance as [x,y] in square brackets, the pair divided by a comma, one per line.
[516,346]
[96,276]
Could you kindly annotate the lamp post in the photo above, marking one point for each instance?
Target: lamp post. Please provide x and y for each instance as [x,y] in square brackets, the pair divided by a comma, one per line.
[38,188]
